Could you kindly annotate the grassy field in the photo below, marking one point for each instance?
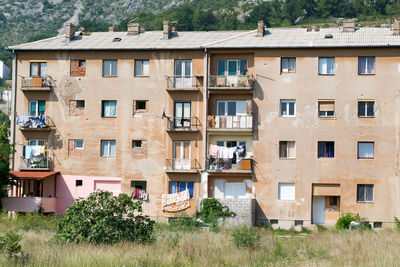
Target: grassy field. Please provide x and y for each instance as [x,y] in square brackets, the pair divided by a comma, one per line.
[185,246]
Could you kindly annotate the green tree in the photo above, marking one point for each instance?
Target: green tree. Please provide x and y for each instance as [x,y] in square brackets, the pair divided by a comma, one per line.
[293,11]
[184,15]
[262,11]
[204,21]
[104,219]
[5,151]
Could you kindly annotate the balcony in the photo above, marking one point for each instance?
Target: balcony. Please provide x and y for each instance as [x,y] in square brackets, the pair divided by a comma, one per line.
[34,123]
[237,123]
[35,158]
[182,83]
[182,165]
[221,166]
[36,84]
[183,124]
[230,82]
[29,204]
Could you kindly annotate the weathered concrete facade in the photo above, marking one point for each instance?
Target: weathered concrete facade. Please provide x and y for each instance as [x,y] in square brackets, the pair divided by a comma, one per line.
[257,175]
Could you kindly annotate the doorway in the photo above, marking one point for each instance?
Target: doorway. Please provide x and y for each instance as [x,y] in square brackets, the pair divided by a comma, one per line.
[181,159]
[183,74]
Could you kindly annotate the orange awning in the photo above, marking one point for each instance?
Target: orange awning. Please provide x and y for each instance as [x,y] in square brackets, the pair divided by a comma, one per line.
[32,175]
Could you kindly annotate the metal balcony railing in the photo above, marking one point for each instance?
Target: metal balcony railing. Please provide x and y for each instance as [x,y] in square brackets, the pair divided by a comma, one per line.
[230,82]
[237,122]
[244,165]
[34,157]
[182,82]
[183,124]
[182,164]
[36,83]
[28,122]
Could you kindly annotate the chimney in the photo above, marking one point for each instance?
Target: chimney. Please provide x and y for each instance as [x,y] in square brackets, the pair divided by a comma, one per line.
[167,29]
[133,28]
[349,25]
[69,31]
[174,26]
[112,29]
[260,28]
[396,26]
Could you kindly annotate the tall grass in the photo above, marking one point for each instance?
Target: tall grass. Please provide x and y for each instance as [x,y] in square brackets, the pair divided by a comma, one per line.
[175,246]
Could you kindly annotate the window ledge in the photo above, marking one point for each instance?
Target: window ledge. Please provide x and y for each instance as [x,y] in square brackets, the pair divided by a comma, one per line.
[286,158]
[288,73]
[321,74]
[366,202]
[293,116]
[365,158]
[293,201]
[108,157]
[109,117]
[327,118]
[110,76]
[366,117]
[142,76]
[366,74]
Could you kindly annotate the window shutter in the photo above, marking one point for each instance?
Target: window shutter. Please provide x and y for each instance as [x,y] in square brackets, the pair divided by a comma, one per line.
[327,106]
[283,149]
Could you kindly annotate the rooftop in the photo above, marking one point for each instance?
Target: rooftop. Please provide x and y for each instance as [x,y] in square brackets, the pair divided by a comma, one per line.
[273,38]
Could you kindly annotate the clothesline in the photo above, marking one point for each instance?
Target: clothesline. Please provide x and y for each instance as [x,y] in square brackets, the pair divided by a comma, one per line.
[34,151]
[32,121]
[222,152]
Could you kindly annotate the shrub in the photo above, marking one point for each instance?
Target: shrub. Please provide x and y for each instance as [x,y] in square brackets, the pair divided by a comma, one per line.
[103,219]
[246,237]
[345,219]
[9,244]
[211,210]
[397,222]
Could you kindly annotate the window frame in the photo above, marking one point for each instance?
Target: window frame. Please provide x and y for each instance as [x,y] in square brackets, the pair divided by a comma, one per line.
[108,155]
[288,59]
[365,102]
[142,69]
[287,102]
[103,108]
[103,68]
[80,101]
[238,67]
[319,66]
[134,144]
[37,112]
[287,150]
[178,187]
[323,157]
[78,182]
[365,142]
[135,106]
[39,69]
[280,195]
[79,148]
[365,193]
[326,116]
[366,65]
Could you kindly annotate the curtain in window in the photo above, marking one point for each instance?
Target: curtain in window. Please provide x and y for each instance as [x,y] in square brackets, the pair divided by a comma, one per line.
[327,106]
[146,67]
[365,150]
[221,67]
[112,148]
[292,64]
[43,69]
[283,108]
[283,149]
[32,108]
[291,149]
[35,69]
[41,107]
[369,194]
[330,149]
[326,65]
[370,108]
[326,149]
[104,148]
[138,68]
[243,67]
[173,187]
[285,65]
[370,65]
[241,108]
[110,108]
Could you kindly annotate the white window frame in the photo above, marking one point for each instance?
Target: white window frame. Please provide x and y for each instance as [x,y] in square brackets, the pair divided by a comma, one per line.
[365,71]
[142,68]
[110,70]
[288,59]
[326,112]
[287,102]
[280,186]
[237,107]
[365,194]
[76,147]
[328,59]
[108,154]
[365,102]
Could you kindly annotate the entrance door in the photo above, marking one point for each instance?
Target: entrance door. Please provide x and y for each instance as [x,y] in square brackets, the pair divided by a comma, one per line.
[182,114]
[181,159]
[318,215]
[183,74]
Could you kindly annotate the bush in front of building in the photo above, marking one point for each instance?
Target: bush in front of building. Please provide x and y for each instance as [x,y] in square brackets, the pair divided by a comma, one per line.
[211,210]
[344,222]
[104,219]
[246,237]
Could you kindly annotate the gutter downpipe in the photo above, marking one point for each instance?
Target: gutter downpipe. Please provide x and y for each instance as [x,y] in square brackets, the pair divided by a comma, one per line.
[204,174]
[14,96]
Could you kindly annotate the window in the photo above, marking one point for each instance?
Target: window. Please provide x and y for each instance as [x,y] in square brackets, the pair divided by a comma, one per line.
[287,149]
[37,108]
[273,221]
[78,183]
[228,144]
[333,200]
[326,149]
[235,190]
[288,65]
[326,65]
[136,143]
[110,68]
[298,223]
[76,107]
[109,108]
[80,103]
[366,108]
[377,224]
[107,148]
[38,69]
[365,192]
[326,108]
[78,144]
[176,187]
[288,108]
[142,67]
[77,68]
[366,65]
[140,106]
[365,150]
[82,63]
[137,189]
[286,191]
[231,107]
[236,67]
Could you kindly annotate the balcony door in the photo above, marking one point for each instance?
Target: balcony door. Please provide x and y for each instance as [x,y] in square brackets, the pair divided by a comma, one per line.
[182,114]
[182,152]
[37,108]
[183,74]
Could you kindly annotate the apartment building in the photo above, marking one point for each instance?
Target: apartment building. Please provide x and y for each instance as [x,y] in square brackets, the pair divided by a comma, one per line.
[286,126]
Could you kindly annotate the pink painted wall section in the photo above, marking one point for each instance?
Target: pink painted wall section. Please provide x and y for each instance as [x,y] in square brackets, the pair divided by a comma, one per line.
[67,191]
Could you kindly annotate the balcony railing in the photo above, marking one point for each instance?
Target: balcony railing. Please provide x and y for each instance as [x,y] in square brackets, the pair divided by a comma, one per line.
[36,84]
[27,122]
[238,122]
[183,124]
[182,83]
[182,165]
[244,165]
[35,158]
[230,82]
[29,204]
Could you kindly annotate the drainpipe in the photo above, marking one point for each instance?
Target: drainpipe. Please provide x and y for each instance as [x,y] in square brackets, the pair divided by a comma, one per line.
[14,106]
[204,174]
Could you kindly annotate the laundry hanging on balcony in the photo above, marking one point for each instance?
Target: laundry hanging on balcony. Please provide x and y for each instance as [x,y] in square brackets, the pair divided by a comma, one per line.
[176,202]
[33,151]
[222,152]
[32,121]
